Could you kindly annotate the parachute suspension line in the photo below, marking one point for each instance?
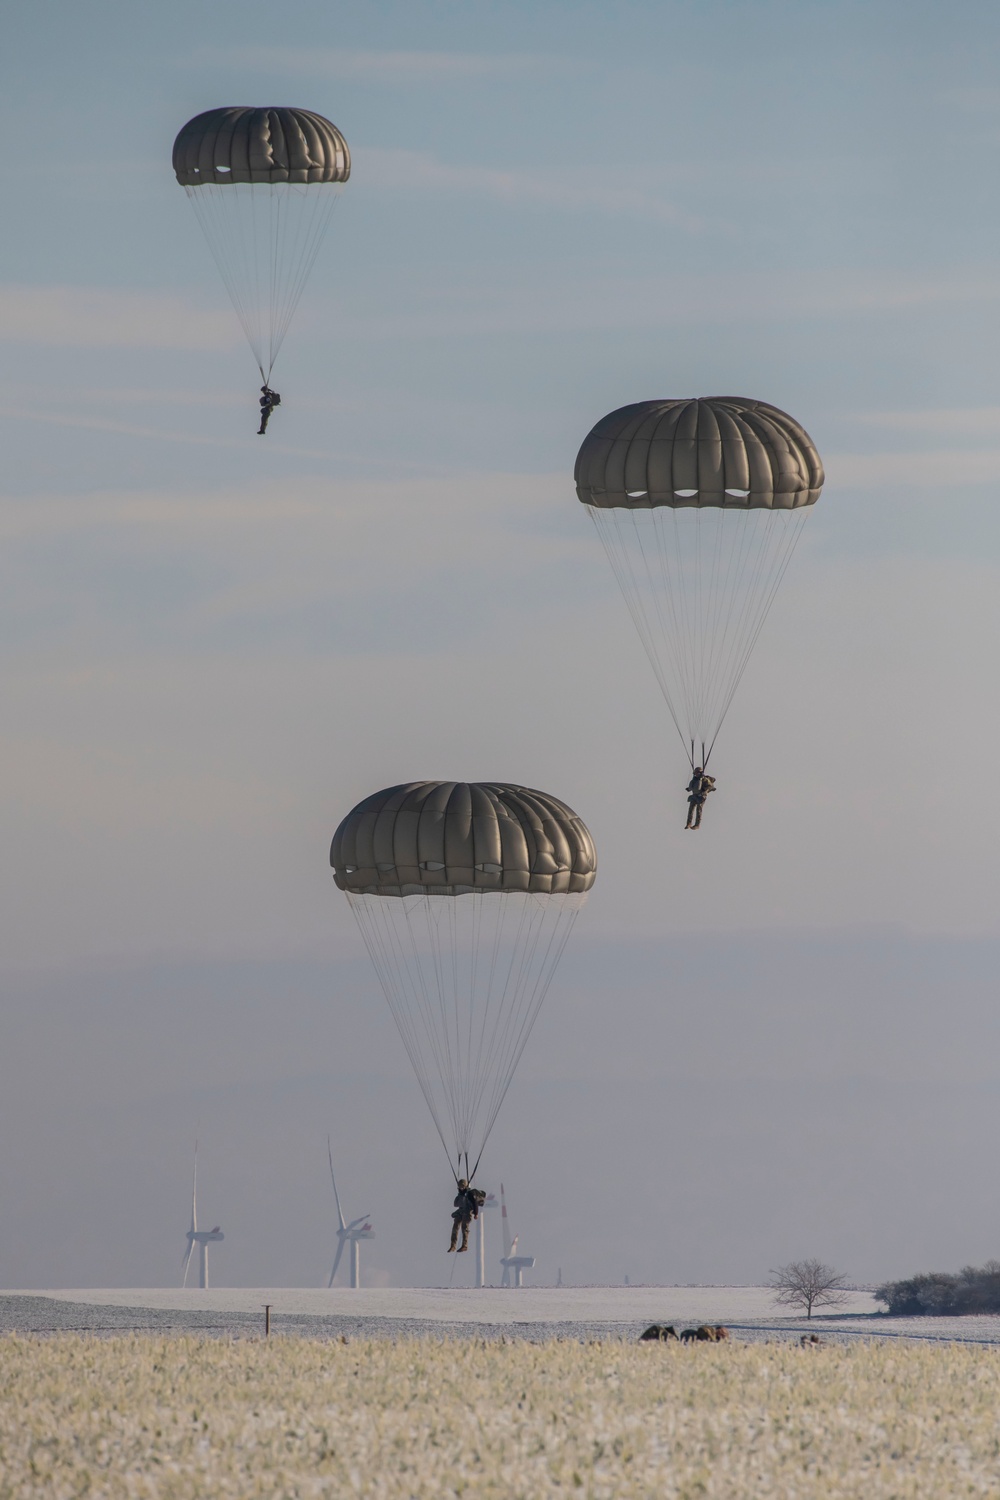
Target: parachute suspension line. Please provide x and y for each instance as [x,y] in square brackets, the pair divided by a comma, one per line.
[750,552]
[464,977]
[264,238]
[382,937]
[550,920]
[300,218]
[699,583]
[792,522]
[557,940]
[608,529]
[440,1025]
[233,254]
[512,1006]
[671,617]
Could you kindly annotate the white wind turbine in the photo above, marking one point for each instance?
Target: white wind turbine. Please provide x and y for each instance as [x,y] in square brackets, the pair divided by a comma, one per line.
[200,1237]
[490,1202]
[510,1260]
[348,1234]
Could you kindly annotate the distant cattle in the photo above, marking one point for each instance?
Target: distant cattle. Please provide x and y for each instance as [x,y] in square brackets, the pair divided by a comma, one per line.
[809,1341]
[659,1331]
[706,1334]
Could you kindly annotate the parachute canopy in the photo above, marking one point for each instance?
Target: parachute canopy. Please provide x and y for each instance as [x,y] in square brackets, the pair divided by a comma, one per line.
[699,504]
[262,183]
[719,450]
[465,894]
[452,837]
[260,145]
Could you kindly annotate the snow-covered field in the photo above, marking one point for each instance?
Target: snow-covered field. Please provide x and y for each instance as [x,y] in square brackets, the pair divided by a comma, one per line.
[144,1417]
[532,1313]
[583,1304]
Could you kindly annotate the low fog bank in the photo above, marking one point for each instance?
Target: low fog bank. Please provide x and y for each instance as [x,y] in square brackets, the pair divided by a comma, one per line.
[693,1110]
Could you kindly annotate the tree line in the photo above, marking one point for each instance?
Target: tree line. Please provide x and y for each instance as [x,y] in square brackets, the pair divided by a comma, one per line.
[974,1289]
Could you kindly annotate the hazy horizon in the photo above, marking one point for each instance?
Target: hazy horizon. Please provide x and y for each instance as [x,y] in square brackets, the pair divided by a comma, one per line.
[774,1040]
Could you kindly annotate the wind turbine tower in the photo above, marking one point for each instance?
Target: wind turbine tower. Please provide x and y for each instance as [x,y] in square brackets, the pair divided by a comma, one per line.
[348,1234]
[510,1260]
[200,1237]
[491,1202]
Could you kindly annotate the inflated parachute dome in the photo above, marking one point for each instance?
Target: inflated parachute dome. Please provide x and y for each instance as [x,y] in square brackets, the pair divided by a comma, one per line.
[717,450]
[241,144]
[455,837]
[262,183]
[465,894]
[699,504]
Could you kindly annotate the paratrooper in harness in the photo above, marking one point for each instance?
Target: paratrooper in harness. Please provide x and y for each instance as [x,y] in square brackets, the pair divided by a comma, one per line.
[698,789]
[268,401]
[468,1202]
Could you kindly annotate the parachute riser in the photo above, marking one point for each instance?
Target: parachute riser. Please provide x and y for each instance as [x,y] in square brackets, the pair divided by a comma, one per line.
[469,1176]
[705,755]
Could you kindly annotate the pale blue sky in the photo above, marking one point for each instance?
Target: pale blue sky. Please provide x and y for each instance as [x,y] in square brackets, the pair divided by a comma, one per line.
[212,647]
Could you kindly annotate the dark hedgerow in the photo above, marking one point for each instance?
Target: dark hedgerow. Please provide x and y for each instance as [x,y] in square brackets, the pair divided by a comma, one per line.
[941,1294]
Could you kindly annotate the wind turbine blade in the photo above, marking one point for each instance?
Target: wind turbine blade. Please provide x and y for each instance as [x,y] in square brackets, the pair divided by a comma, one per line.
[354,1223]
[336,1262]
[194,1192]
[187,1262]
[513,1248]
[340,1216]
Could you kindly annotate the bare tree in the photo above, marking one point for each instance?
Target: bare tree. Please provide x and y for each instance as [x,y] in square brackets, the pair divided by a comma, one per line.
[808,1284]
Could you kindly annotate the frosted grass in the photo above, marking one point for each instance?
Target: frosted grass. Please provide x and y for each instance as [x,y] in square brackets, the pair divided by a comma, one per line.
[185,1417]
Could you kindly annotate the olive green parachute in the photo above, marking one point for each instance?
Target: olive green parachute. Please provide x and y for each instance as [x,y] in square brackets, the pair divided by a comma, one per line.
[465,894]
[716,451]
[699,504]
[454,837]
[260,146]
[263,183]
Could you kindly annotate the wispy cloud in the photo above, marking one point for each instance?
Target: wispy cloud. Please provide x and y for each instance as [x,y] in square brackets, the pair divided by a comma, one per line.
[957,421]
[242,567]
[55,418]
[96,317]
[638,193]
[549,302]
[379,67]
[938,468]
[90,422]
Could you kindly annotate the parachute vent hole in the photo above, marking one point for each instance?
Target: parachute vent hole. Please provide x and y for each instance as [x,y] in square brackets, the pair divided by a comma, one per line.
[490,869]
[636,494]
[685,494]
[221,168]
[431,864]
[741,493]
[385,867]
